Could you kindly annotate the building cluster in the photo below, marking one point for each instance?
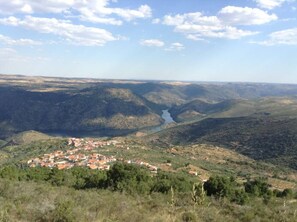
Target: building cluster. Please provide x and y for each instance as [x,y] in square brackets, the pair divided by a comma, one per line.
[71,158]
[88,144]
[152,168]
[80,155]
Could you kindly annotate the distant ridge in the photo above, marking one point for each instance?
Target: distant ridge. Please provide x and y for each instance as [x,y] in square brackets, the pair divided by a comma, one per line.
[197,109]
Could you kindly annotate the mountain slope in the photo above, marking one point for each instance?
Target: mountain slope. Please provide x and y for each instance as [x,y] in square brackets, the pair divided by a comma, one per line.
[199,109]
[274,106]
[261,138]
[85,110]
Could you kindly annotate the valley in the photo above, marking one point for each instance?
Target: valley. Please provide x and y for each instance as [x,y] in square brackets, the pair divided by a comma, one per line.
[155,139]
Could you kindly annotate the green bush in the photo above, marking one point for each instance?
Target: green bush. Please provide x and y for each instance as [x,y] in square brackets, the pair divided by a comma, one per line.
[240,197]
[164,181]
[287,193]
[129,178]
[220,186]
[258,187]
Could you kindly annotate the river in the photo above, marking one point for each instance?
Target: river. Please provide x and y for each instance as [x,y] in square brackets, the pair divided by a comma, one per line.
[167,117]
[167,120]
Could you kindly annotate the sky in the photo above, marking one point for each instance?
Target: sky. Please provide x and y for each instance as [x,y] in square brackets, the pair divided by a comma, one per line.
[190,40]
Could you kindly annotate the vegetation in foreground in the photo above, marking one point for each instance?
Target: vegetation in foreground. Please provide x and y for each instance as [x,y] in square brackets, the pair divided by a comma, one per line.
[130,193]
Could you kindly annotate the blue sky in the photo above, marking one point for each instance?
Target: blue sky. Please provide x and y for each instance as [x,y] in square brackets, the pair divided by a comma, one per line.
[199,40]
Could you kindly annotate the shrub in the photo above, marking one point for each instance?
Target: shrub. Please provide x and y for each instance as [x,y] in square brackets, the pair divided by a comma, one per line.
[129,178]
[219,186]
[164,181]
[240,197]
[257,187]
[63,212]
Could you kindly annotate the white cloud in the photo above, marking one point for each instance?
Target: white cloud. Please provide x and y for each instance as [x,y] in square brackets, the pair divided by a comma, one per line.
[196,26]
[20,42]
[143,11]
[245,16]
[175,47]
[156,21]
[152,42]
[270,4]
[195,37]
[75,34]
[284,37]
[97,11]
[33,6]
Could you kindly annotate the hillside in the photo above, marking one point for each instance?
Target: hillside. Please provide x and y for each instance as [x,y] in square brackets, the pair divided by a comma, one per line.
[198,109]
[82,194]
[94,109]
[205,159]
[178,93]
[79,107]
[273,106]
[26,137]
[261,138]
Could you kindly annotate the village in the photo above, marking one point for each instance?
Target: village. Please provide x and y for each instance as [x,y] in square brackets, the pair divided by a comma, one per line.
[81,154]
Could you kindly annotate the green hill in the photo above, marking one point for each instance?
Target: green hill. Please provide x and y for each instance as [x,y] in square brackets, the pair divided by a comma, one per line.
[261,138]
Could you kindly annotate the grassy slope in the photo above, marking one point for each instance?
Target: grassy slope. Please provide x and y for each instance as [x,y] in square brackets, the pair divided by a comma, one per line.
[29,201]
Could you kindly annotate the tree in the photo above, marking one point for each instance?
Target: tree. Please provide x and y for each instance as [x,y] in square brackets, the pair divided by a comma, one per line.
[219,186]
[129,178]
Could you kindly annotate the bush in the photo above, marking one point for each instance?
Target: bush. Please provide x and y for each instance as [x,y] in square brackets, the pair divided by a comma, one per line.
[129,178]
[220,186]
[240,197]
[287,193]
[164,181]
[63,212]
[258,187]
